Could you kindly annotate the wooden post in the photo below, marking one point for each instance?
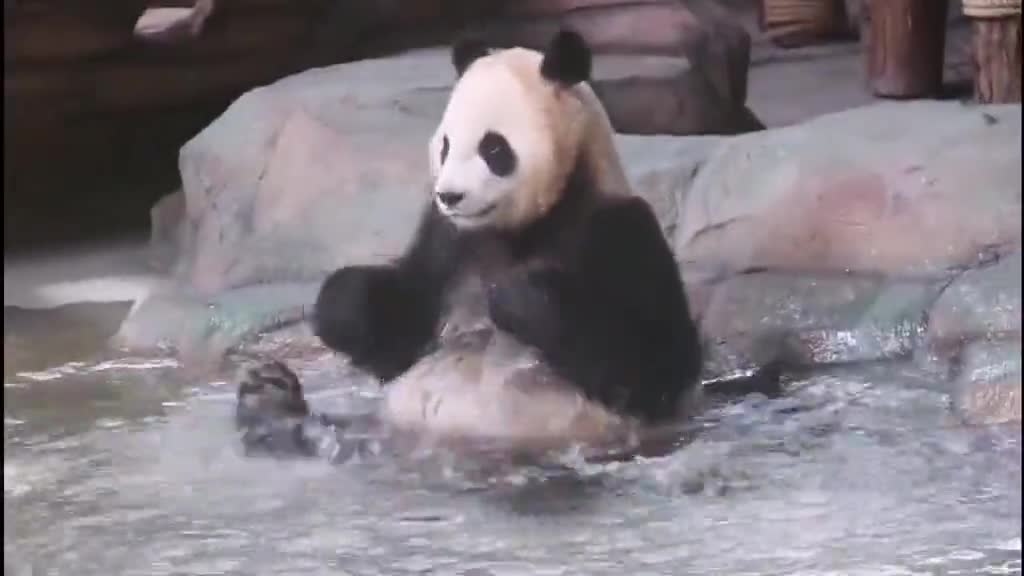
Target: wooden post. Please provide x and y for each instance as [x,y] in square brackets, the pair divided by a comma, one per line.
[906,49]
[997,49]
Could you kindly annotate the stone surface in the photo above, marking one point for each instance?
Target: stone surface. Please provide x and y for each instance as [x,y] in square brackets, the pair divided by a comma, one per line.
[989,386]
[825,243]
[353,142]
[329,167]
[324,169]
[980,303]
[202,329]
[812,320]
[883,189]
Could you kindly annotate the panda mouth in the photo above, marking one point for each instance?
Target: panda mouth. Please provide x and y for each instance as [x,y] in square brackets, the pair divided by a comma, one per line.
[478,214]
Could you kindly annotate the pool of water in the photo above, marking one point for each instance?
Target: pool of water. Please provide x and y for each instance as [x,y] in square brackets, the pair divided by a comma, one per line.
[122,465]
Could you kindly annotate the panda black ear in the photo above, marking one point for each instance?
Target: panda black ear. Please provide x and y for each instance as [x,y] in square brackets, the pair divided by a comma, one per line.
[466,50]
[567,59]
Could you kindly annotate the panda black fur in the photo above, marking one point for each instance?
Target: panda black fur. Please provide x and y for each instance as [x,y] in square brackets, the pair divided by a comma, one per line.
[571,264]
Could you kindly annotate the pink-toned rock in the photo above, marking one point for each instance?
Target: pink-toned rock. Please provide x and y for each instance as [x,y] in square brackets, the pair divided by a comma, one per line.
[305,192]
[901,188]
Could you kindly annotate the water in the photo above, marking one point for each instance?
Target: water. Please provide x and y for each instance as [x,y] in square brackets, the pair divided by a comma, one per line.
[131,466]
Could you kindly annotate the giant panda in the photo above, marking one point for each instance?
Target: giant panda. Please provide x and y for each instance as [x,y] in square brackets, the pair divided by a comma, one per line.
[538,302]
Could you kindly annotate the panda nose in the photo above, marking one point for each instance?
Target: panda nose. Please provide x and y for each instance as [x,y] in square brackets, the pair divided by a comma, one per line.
[450,199]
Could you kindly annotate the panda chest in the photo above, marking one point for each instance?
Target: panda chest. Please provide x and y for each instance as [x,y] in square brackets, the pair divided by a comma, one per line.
[466,309]
[490,258]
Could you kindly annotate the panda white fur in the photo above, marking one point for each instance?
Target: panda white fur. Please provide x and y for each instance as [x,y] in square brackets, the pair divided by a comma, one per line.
[538,302]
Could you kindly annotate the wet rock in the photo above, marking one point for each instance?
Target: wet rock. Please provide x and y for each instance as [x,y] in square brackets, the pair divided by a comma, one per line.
[898,188]
[201,329]
[811,319]
[989,386]
[980,303]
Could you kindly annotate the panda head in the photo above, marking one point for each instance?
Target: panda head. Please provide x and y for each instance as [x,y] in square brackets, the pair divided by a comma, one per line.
[511,133]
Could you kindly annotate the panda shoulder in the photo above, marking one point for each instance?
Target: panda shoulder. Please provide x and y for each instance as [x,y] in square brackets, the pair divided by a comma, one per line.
[624,217]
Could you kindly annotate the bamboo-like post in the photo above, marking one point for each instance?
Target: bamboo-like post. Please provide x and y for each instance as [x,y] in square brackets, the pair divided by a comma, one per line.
[997,49]
[906,51]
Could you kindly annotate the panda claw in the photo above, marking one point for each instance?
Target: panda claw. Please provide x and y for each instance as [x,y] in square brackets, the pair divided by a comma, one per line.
[267,393]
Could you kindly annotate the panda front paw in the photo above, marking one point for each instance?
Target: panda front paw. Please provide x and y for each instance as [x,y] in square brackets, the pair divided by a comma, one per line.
[525,302]
[271,411]
[269,392]
[345,309]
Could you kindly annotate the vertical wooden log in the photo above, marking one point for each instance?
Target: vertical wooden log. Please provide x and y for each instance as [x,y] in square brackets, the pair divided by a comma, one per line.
[907,47]
[997,57]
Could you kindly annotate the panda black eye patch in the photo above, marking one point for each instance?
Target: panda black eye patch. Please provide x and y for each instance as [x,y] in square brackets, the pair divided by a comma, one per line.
[498,155]
[444,149]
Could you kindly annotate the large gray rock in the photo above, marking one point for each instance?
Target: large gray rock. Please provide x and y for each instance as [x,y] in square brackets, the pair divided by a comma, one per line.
[828,242]
[329,168]
[898,188]
[317,171]
[832,241]
[981,303]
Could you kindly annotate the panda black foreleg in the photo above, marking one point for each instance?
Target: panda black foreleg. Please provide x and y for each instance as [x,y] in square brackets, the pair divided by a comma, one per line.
[384,316]
[611,316]
[372,314]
